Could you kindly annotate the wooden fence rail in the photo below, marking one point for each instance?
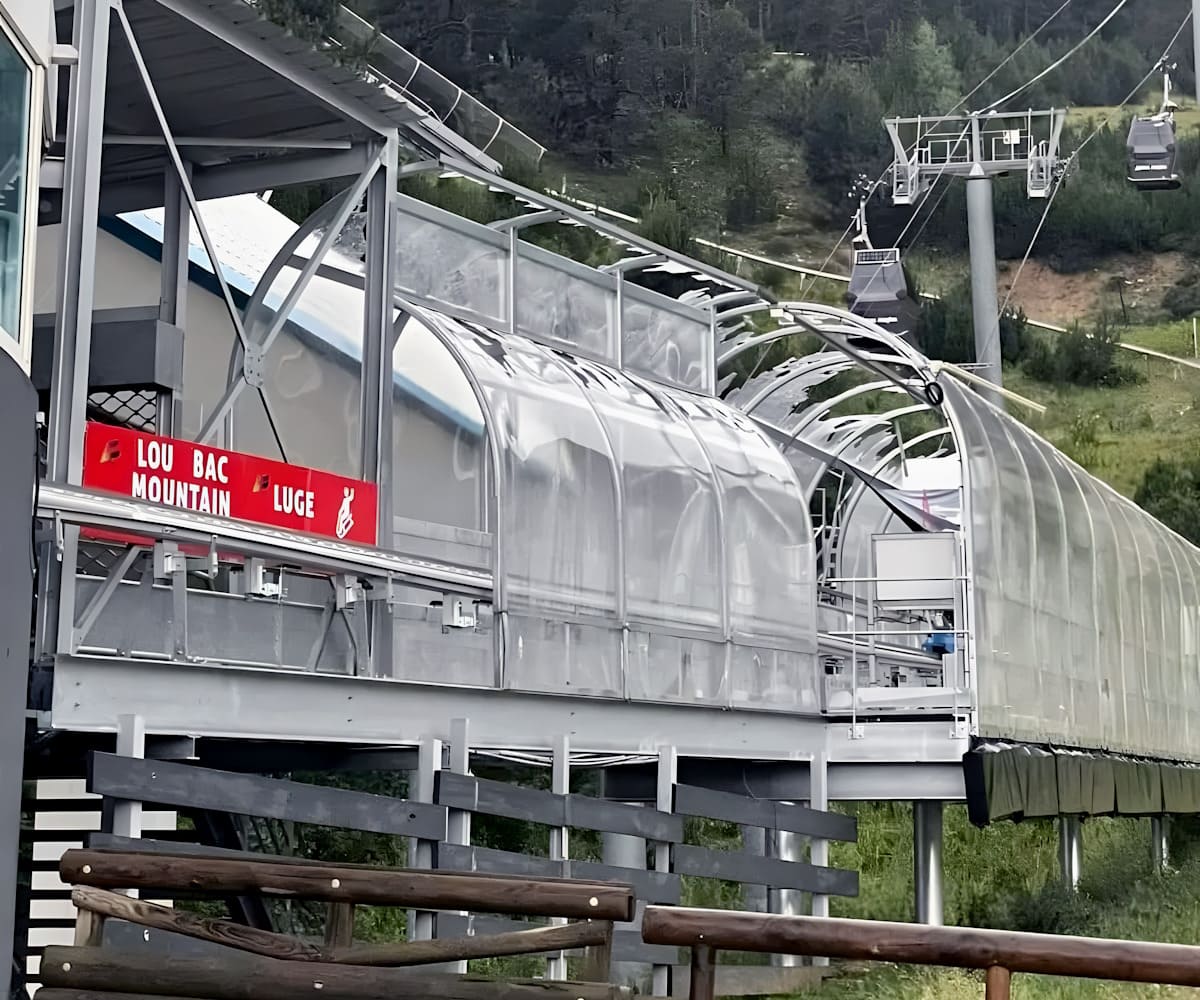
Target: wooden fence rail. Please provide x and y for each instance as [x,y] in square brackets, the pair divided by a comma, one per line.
[1000,953]
[341,884]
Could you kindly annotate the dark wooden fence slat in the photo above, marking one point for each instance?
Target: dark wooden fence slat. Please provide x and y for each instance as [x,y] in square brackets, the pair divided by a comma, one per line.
[815,823]
[187,787]
[498,798]
[754,870]
[691,800]
[649,887]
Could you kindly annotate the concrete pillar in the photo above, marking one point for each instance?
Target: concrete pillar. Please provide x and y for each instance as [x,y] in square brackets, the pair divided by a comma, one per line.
[927,862]
[1070,849]
[985,303]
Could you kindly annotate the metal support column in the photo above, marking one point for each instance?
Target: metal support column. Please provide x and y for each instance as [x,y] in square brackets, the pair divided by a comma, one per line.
[420,852]
[172,299]
[818,849]
[623,851]
[1160,848]
[985,303]
[668,776]
[458,821]
[786,846]
[77,243]
[1070,849]
[927,862]
[1196,43]
[377,395]
[560,848]
[131,742]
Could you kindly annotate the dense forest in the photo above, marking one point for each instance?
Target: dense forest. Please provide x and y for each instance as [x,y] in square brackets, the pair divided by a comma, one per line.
[738,111]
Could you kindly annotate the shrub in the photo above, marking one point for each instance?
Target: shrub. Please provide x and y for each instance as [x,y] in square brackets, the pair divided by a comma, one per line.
[1081,357]
[1182,299]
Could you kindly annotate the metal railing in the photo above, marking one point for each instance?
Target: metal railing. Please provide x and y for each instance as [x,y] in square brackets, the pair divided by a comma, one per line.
[998,953]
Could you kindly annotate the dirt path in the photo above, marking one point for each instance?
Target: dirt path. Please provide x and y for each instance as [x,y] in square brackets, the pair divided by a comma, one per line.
[1060,298]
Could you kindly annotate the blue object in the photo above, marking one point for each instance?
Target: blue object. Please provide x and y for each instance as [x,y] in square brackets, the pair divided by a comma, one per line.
[939,643]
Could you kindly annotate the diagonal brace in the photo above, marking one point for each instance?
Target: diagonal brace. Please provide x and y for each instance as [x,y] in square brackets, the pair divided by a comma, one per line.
[350,200]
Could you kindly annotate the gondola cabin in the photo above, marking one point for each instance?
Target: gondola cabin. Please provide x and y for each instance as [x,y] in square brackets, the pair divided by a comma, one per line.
[878,291]
[1152,155]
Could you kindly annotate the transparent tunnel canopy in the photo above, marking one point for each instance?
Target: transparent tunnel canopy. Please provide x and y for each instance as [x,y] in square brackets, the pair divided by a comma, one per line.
[650,543]
[1085,605]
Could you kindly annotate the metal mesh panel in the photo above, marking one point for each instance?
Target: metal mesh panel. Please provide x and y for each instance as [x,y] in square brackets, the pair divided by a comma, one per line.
[136,408]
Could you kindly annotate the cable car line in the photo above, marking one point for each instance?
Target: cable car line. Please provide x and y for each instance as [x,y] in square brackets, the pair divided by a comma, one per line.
[1061,59]
[1078,149]
[958,104]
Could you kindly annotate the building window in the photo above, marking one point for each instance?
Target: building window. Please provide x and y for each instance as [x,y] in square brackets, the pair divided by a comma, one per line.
[16,110]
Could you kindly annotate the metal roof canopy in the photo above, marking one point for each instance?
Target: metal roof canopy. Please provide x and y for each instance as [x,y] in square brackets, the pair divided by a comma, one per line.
[254,106]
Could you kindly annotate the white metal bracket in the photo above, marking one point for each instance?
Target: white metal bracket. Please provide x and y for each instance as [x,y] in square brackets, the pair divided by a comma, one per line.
[459,612]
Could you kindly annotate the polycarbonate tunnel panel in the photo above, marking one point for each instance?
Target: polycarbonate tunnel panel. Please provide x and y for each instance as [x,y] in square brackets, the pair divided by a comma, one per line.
[558,533]
[671,523]
[768,536]
[1085,606]
[652,544]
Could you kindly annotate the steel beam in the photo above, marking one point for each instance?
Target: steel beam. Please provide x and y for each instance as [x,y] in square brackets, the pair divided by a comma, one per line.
[927,862]
[240,178]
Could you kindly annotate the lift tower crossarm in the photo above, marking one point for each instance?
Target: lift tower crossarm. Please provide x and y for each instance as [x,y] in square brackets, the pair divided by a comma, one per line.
[977,146]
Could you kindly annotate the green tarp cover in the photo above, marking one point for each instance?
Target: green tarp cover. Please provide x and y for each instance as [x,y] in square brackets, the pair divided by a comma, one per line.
[1017,782]
[1139,788]
[1074,784]
[1041,783]
[1104,786]
[1180,788]
[1002,786]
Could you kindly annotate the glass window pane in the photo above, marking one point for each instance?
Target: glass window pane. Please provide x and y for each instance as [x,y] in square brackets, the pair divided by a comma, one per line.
[438,260]
[662,344]
[16,82]
[552,304]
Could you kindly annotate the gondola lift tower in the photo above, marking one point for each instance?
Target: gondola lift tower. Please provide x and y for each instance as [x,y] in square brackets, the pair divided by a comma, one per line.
[978,146]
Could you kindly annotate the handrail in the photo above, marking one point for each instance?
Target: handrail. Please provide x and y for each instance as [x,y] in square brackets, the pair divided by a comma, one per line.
[1000,953]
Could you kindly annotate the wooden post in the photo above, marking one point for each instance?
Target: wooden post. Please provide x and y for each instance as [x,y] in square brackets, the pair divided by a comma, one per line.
[339,925]
[89,929]
[597,959]
[998,981]
[703,985]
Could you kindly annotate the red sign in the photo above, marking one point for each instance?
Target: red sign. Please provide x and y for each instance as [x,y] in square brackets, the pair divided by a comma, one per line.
[194,477]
